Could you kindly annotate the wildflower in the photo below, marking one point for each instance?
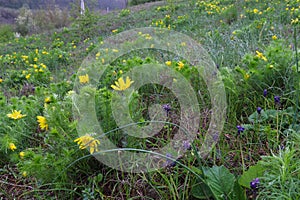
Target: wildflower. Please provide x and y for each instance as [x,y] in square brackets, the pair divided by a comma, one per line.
[261,55]
[42,122]
[24,174]
[97,55]
[187,145]
[254,183]
[271,66]
[265,92]
[12,146]
[47,100]
[258,110]
[180,65]
[255,10]
[169,162]
[274,37]
[88,141]
[240,129]
[166,107]
[121,85]
[28,76]
[16,115]
[35,59]
[246,76]
[43,65]
[168,63]
[22,154]
[277,99]
[115,50]
[295,21]
[84,78]
[1,80]
[114,31]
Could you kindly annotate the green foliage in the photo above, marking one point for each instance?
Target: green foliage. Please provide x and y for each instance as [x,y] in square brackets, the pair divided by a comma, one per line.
[6,33]
[252,173]
[281,178]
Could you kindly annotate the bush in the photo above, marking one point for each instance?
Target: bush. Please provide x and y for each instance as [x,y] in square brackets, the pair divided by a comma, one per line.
[6,33]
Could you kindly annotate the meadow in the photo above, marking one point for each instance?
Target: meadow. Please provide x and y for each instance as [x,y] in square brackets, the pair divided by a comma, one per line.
[83,96]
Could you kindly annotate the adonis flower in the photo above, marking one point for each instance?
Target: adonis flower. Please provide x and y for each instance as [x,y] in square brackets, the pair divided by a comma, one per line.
[169,63]
[42,122]
[261,55]
[16,115]
[88,141]
[180,65]
[121,85]
[12,146]
[84,78]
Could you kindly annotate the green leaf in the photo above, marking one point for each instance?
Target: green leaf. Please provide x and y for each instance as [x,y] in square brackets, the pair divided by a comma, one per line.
[252,173]
[201,191]
[220,181]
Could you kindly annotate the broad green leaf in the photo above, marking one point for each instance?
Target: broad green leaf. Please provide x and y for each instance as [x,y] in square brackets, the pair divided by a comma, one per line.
[220,181]
[252,173]
[201,191]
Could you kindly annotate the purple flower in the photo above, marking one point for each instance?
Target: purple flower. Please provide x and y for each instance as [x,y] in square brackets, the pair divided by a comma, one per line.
[169,162]
[254,183]
[265,92]
[166,107]
[187,145]
[277,99]
[240,129]
[258,110]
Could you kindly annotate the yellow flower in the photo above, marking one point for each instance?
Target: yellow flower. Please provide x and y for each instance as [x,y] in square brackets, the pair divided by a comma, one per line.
[16,115]
[22,154]
[121,85]
[24,174]
[115,50]
[295,21]
[88,141]
[169,63]
[43,65]
[255,10]
[12,146]
[84,78]
[271,66]
[274,37]
[114,31]
[27,76]
[74,47]
[98,55]
[47,100]
[261,55]
[1,80]
[42,122]
[180,65]
[35,59]
[246,76]
[45,52]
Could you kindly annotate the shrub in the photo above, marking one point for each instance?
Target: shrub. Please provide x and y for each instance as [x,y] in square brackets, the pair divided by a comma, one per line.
[6,33]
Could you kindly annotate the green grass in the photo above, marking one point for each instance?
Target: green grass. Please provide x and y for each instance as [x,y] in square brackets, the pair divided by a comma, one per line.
[253,45]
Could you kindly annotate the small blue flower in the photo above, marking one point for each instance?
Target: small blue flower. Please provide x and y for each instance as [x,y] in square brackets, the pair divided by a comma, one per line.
[254,183]
[187,145]
[166,107]
[169,162]
[277,99]
[240,129]
[265,92]
[258,110]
